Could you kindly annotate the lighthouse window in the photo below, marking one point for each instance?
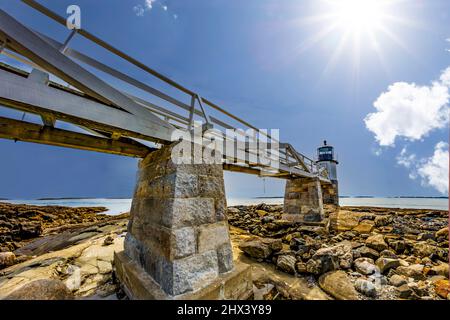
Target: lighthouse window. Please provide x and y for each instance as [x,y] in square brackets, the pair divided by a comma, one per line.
[325,151]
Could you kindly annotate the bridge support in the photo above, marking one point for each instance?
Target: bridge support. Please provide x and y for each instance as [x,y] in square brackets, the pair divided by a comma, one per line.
[303,200]
[178,244]
[330,193]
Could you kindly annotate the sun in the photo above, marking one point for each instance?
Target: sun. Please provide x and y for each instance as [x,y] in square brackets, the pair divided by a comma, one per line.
[354,28]
[359,15]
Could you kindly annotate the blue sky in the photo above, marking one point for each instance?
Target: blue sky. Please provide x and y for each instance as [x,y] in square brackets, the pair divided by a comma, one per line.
[266,61]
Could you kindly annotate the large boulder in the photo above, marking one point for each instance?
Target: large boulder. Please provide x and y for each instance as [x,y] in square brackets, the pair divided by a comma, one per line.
[414,271]
[381,221]
[338,285]
[399,246]
[256,249]
[286,263]
[274,244]
[366,287]
[7,259]
[261,248]
[365,252]
[397,280]
[376,242]
[44,289]
[29,230]
[365,227]
[365,266]
[385,264]
[424,249]
[404,291]
[439,270]
[332,258]
[388,254]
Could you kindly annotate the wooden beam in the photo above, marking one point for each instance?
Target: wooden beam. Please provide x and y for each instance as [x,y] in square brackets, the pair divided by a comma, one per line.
[242,169]
[29,96]
[31,46]
[31,132]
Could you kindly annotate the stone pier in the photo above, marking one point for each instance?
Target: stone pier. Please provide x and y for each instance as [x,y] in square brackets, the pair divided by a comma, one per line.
[178,244]
[330,193]
[303,200]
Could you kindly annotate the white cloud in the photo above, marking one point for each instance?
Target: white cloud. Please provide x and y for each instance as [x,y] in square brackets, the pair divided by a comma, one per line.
[139,10]
[433,170]
[410,111]
[445,77]
[405,159]
[149,4]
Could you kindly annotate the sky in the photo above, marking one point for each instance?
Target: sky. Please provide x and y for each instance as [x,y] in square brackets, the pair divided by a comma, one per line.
[370,79]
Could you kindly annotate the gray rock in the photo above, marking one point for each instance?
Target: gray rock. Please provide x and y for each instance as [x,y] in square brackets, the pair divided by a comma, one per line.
[365,266]
[366,252]
[274,244]
[256,249]
[388,254]
[414,271]
[366,287]
[376,242]
[332,258]
[404,291]
[441,269]
[399,246]
[424,249]
[397,280]
[286,263]
[381,221]
[338,285]
[425,236]
[384,264]
[191,273]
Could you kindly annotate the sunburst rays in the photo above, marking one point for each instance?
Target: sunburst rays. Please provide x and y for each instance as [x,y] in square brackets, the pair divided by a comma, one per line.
[360,26]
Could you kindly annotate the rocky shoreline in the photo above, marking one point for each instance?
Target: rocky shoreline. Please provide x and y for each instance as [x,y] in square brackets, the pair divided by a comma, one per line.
[355,253]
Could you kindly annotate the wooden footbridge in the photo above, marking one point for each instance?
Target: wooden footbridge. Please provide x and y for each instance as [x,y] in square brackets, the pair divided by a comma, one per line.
[59,87]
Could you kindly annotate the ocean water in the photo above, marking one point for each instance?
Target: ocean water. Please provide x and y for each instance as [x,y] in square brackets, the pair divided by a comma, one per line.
[118,206]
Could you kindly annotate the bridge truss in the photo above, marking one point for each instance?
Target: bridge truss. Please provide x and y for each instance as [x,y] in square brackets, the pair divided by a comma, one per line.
[59,86]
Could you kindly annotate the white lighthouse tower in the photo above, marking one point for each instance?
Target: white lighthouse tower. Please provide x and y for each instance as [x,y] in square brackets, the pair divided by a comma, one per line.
[327,159]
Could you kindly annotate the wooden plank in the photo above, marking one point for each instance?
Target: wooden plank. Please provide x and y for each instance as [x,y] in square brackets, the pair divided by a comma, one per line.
[31,132]
[107,46]
[133,61]
[241,169]
[20,93]
[113,72]
[30,45]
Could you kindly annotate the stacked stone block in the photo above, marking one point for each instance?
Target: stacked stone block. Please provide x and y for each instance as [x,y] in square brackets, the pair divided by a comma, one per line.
[303,200]
[330,193]
[178,232]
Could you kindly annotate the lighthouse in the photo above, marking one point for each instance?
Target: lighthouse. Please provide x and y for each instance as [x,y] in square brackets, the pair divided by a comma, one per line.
[326,159]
